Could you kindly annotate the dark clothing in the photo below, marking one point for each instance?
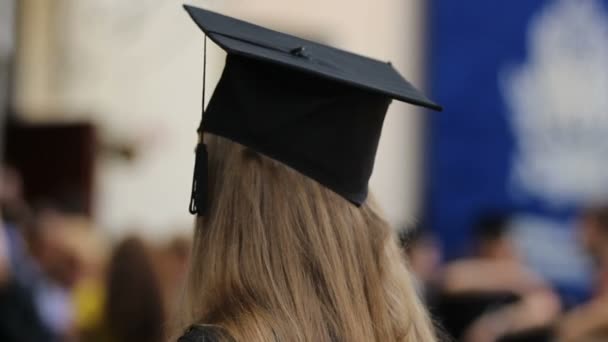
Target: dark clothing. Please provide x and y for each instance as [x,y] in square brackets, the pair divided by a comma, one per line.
[456,312]
[19,320]
[20,314]
[205,333]
[544,334]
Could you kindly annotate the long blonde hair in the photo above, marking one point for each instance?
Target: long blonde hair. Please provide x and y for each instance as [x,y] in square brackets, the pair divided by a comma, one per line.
[278,257]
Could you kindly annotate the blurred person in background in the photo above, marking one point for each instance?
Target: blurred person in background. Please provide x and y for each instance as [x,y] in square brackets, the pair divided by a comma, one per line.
[133,306]
[423,255]
[593,235]
[15,210]
[48,253]
[58,244]
[491,234]
[88,293]
[492,294]
[172,260]
[21,279]
[20,319]
[589,322]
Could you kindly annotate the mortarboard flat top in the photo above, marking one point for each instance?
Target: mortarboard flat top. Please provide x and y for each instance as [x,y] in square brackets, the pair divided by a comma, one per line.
[242,38]
[316,109]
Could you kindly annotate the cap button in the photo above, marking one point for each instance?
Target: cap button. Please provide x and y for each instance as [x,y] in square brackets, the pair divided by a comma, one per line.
[300,51]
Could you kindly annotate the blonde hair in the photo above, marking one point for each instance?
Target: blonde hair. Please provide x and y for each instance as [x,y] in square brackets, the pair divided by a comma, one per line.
[278,257]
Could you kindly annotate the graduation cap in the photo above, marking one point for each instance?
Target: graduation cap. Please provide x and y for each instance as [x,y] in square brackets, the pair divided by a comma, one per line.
[314,108]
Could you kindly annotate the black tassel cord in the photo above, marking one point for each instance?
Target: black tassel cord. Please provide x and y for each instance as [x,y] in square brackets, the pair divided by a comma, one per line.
[198,197]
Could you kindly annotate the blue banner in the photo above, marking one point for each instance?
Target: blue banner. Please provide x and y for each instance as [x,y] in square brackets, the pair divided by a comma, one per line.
[525,90]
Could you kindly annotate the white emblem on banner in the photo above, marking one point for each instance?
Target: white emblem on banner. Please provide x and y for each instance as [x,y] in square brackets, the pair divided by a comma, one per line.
[558,101]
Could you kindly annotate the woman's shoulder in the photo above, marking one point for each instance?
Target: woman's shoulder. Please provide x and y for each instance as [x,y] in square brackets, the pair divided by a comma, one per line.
[204,333]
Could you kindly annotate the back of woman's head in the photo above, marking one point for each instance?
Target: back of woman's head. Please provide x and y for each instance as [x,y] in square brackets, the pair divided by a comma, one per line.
[278,257]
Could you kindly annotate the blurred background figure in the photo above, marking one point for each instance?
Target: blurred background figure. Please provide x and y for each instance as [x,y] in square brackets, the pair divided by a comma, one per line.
[492,294]
[134,305]
[172,261]
[21,317]
[492,239]
[423,256]
[63,254]
[589,322]
[594,237]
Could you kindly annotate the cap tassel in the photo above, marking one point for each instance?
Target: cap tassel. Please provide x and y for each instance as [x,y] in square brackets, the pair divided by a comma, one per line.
[198,197]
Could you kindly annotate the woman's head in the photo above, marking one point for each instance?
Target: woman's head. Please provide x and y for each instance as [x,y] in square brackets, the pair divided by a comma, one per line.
[280,257]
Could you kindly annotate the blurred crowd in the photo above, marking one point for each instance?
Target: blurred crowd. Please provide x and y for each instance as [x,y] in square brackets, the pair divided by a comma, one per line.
[491,294]
[62,280]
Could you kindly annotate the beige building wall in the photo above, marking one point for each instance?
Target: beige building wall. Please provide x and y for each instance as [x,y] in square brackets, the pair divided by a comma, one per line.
[135,69]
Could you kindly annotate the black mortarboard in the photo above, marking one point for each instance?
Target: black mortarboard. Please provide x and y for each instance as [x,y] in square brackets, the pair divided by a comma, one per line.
[317,109]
